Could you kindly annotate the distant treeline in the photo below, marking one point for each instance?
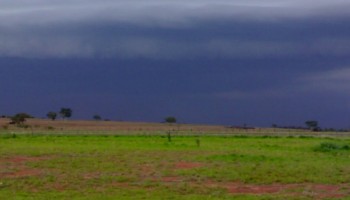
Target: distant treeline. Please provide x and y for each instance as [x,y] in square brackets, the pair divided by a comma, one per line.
[311,125]
[312,129]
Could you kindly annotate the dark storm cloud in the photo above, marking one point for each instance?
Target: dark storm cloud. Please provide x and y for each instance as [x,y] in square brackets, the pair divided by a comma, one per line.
[163,29]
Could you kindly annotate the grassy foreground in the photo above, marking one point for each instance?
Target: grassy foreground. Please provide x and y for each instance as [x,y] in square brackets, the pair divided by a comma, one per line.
[188,167]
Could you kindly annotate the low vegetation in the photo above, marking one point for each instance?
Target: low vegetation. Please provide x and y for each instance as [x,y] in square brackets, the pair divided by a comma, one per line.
[331,146]
[95,166]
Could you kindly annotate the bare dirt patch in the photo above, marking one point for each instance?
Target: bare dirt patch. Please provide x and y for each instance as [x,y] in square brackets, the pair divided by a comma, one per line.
[92,175]
[238,188]
[317,191]
[320,191]
[171,179]
[15,167]
[21,173]
[23,159]
[187,165]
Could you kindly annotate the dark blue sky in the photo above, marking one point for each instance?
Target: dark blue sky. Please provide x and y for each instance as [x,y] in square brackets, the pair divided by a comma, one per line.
[217,62]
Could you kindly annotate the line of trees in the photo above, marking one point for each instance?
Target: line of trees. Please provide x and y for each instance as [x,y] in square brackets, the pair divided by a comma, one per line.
[64,113]
[19,118]
[312,125]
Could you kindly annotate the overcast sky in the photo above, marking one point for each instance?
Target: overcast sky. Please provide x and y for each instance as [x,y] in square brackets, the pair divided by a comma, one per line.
[220,62]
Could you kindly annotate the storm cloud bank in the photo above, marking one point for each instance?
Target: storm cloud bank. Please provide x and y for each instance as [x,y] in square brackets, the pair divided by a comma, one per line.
[173,29]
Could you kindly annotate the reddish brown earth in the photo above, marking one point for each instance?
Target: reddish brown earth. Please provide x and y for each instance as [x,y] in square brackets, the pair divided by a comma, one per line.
[22,159]
[237,188]
[15,167]
[92,175]
[187,165]
[20,173]
[316,191]
[171,179]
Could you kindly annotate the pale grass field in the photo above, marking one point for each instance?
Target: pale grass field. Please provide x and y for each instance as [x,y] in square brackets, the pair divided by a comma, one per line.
[45,126]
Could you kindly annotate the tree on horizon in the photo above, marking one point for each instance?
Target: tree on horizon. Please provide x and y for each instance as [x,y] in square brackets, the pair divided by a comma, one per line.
[66,113]
[170,119]
[312,124]
[20,118]
[51,115]
[97,117]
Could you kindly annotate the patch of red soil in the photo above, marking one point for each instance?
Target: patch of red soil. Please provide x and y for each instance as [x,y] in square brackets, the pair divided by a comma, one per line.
[122,185]
[58,187]
[146,169]
[15,167]
[171,179]
[326,191]
[92,175]
[23,159]
[325,188]
[21,173]
[237,188]
[318,191]
[187,165]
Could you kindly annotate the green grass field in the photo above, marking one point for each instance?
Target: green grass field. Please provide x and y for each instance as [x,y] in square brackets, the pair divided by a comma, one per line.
[188,167]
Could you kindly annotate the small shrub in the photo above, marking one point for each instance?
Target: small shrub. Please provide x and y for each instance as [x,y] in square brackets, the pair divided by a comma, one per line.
[20,118]
[241,136]
[329,146]
[8,136]
[170,119]
[50,128]
[5,127]
[305,137]
[198,142]
[97,117]
[169,136]
[25,126]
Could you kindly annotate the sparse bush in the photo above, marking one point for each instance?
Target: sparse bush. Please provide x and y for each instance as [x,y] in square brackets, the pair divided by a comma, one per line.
[198,142]
[5,127]
[169,136]
[66,112]
[330,146]
[25,126]
[20,118]
[312,125]
[97,117]
[170,119]
[346,147]
[50,128]
[51,115]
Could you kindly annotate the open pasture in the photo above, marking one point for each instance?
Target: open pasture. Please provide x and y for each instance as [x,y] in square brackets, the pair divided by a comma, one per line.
[62,166]
[81,127]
